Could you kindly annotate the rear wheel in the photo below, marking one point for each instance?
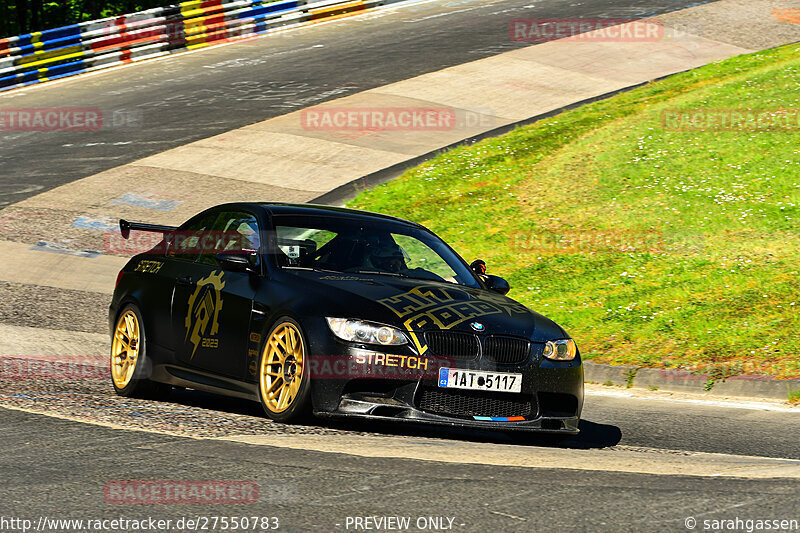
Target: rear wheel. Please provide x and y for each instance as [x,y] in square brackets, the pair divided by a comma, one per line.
[284,382]
[130,367]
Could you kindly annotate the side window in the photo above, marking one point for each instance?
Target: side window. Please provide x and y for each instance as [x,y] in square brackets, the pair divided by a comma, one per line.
[299,246]
[185,243]
[233,232]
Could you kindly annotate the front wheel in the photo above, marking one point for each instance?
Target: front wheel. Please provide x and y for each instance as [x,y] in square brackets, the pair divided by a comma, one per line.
[284,381]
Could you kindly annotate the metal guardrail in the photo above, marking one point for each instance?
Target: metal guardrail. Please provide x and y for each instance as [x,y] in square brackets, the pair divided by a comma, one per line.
[98,44]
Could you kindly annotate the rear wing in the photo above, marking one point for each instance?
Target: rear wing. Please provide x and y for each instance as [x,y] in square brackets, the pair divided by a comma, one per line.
[125,228]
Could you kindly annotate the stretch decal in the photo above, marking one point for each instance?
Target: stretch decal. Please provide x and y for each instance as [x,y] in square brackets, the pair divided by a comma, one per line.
[385,359]
[149,267]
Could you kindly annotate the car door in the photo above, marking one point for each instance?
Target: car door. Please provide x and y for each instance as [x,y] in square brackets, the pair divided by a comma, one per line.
[212,306]
[181,255]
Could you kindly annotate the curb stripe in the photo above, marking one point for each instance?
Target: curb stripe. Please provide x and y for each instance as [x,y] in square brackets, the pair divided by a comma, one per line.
[96,44]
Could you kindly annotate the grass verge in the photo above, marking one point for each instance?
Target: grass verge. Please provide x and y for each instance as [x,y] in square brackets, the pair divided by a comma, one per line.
[654,241]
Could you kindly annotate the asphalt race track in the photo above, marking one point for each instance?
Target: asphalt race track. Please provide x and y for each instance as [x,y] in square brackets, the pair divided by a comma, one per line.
[644,461]
[310,492]
[66,465]
[162,104]
[694,459]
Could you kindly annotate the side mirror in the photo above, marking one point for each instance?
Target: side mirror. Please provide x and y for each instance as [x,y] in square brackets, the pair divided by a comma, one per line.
[234,262]
[479,267]
[497,284]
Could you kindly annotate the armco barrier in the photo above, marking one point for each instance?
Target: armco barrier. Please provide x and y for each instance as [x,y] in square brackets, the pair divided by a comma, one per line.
[93,45]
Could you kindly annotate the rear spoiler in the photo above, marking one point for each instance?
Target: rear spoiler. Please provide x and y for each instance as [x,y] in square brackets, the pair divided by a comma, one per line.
[125,228]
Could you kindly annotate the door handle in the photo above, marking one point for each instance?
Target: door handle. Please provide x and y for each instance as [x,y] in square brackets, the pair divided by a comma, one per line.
[185,280]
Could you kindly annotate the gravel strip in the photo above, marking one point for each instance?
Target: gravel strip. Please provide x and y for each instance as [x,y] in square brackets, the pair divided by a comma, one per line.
[50,308]
[185,413]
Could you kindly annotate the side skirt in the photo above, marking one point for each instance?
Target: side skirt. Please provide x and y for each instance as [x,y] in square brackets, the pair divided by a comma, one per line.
[194,379]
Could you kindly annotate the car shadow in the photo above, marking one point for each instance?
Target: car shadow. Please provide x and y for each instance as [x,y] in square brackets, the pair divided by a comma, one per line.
[593,435]
[215,402]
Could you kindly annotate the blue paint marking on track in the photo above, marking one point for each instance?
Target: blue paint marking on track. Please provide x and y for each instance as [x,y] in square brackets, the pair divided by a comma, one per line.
[56,248]
[138,200]
[103,224]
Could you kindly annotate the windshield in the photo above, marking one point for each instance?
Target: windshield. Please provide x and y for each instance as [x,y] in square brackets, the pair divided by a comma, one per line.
[338,244]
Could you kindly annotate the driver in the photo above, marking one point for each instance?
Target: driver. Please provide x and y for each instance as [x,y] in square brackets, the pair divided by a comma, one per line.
[389,258]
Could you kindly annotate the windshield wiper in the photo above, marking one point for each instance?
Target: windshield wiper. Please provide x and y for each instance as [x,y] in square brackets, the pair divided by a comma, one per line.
[312,269]
[377,272]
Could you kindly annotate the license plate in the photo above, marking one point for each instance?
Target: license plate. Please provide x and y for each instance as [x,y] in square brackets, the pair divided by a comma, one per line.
[456,378]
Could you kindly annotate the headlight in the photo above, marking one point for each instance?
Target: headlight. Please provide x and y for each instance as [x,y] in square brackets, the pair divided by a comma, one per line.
[561,350]
[359,331]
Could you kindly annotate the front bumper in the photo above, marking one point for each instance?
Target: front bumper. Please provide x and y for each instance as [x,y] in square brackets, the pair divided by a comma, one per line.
[359,409]
[356,381]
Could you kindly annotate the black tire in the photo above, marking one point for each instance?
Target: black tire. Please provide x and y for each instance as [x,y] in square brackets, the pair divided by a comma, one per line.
[298,406]
[136,383]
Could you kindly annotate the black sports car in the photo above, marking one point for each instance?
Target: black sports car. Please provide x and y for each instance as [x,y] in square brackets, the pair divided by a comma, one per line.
[340,312]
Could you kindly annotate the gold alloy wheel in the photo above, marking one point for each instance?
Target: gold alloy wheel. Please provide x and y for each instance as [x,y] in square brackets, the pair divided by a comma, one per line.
[125,349]
[282,368]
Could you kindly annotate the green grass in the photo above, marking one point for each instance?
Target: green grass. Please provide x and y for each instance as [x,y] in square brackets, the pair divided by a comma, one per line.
[794,396]
[651,246]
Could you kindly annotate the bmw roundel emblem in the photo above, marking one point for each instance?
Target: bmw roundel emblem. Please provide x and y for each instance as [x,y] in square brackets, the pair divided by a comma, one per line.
[477,326]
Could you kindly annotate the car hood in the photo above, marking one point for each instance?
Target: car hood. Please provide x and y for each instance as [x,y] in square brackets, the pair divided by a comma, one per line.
[421,305]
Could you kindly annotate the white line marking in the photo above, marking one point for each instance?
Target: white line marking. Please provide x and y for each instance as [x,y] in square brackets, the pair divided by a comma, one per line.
[509,515]
[731,404]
